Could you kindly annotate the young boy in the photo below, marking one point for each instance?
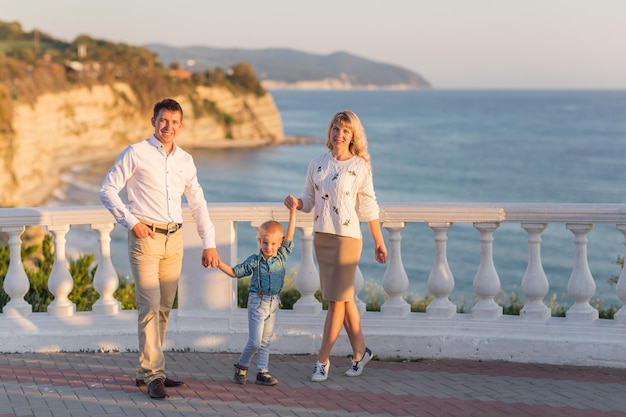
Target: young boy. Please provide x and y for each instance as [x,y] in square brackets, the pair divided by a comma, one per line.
[267,271]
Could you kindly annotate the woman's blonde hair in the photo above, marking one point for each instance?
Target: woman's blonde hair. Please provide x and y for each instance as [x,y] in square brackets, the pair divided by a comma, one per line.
[358,145]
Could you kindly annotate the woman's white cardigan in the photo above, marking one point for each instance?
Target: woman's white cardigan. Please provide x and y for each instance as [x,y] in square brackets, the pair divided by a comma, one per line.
[342,193]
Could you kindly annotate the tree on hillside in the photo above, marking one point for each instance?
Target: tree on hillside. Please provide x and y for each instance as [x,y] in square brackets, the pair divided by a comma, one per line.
[34,63]
[243,75]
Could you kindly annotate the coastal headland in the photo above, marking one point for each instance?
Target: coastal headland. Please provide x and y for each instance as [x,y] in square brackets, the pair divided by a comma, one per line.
[88,125]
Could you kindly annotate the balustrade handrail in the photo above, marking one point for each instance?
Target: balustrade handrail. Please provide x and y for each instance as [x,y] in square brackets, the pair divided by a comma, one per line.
[391,212]
[206,295]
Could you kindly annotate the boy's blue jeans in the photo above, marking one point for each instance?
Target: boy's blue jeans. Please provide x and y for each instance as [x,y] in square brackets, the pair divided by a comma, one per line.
[261,319]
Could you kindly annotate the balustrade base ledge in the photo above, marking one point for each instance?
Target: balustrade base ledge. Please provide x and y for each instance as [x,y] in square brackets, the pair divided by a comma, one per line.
[416,336]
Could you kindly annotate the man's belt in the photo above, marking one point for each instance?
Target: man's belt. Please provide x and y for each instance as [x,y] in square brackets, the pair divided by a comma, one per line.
[170,230]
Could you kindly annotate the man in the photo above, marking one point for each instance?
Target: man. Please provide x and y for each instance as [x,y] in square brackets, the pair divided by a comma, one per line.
[156,173]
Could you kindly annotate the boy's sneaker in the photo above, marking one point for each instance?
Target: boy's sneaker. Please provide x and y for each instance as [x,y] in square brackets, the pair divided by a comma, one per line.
[357,367]
[320,371]
[241,374]
[264,378]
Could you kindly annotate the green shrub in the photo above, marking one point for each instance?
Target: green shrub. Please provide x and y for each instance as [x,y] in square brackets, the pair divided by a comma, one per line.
[289,294]
[242,292]
[125,294]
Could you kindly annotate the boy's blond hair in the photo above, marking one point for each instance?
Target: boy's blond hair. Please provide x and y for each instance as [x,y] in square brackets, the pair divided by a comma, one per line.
[270,227]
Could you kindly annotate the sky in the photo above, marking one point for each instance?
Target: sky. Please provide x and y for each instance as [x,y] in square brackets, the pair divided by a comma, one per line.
[454,44]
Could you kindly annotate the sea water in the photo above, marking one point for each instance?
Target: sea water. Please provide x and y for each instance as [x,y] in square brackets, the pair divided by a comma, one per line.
[453,146]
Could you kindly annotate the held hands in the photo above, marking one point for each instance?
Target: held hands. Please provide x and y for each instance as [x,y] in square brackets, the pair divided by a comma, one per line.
[293,203]
[210,258]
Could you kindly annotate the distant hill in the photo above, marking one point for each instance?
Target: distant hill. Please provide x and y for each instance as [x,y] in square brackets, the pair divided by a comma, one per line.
[287,68]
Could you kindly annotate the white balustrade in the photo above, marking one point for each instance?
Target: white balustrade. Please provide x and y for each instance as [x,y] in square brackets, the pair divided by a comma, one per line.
[105,280]
[535,284]
[359,283]
[486,280]
[581,285]
[307,277]
[395,280]
[60,283]
[440,280]
[208,319]
[620,288]
[16,283]
[207,293]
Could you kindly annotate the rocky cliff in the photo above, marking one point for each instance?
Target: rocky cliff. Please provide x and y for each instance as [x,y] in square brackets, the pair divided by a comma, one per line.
[89,124]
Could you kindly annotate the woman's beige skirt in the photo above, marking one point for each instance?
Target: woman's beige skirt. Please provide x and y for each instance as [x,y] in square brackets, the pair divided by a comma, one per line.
[337,260]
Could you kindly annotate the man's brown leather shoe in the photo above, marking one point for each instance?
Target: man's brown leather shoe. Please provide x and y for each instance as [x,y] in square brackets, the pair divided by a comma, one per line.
[172,383]
[169,383]
[156,389]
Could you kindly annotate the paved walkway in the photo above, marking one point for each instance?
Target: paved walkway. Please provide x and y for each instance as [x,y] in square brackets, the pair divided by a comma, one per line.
[102,384]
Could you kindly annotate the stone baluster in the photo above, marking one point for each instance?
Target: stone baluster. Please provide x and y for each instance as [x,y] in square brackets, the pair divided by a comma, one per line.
[395,280]
[440,280]
[359,283]
[207,292]
[16,283]
[486,280]
[620,288]
[60,282]
[106,280]
[307,278]
[581,286]
[535,284]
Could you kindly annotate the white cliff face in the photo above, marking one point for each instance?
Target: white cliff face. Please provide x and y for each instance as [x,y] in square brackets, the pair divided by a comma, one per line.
[89,124]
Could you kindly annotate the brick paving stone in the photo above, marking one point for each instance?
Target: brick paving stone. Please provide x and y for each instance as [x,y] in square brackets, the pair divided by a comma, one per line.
[102,384]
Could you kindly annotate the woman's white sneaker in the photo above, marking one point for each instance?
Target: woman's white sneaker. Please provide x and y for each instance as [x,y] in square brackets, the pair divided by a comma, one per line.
[320,371]
[357,367]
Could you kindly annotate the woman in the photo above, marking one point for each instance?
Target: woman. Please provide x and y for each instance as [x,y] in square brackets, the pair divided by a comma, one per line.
[340,187]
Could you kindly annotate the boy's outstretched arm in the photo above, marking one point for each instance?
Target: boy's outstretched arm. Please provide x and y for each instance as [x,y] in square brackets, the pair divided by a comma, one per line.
[291,227]
[227,269]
